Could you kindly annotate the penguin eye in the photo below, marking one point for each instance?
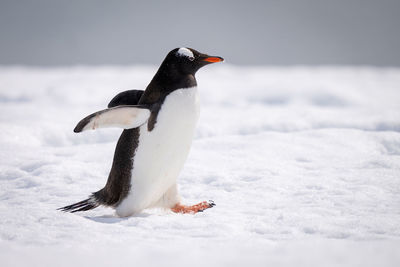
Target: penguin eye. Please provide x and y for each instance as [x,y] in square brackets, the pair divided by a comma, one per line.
[191,58]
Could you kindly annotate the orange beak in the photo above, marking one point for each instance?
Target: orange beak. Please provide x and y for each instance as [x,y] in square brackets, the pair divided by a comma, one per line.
[213,59]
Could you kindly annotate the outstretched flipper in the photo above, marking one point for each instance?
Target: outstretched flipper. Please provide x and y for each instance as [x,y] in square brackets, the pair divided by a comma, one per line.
[130,97]
[126,117]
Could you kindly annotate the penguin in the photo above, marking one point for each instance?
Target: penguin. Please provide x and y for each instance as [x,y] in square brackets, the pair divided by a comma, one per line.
[159,125]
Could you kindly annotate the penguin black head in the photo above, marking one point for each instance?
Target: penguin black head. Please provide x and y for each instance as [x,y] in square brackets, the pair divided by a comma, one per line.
[178,70]
[189,61]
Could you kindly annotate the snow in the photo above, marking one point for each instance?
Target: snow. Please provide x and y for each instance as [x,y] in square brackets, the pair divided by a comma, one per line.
[302,162]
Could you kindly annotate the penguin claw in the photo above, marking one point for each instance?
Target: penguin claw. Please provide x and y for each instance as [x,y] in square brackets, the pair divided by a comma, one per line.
[211,203]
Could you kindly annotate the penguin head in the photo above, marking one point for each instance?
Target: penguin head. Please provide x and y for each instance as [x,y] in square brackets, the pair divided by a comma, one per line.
[189,61]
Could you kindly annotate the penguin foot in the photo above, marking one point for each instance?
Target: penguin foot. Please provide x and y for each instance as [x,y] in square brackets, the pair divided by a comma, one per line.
[178,208]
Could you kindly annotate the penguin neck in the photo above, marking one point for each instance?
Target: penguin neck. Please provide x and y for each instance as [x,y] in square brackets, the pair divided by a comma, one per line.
[169,78]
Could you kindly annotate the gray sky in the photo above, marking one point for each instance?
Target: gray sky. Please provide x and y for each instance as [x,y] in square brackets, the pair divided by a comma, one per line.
[271,32]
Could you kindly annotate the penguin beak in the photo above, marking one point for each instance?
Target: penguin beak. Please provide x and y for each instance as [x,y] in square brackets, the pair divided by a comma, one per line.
[213,59]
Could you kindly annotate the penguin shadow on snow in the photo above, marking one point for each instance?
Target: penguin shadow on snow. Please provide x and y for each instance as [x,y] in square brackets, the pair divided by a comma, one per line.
[110,219]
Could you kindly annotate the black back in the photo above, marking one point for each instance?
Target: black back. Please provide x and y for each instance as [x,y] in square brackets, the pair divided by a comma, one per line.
[130,97]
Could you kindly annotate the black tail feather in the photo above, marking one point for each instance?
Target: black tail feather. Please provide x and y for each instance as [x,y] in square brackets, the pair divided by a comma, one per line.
[83,205]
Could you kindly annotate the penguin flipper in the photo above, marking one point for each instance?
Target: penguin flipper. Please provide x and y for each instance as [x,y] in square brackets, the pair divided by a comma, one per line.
[130,97]
[126,117]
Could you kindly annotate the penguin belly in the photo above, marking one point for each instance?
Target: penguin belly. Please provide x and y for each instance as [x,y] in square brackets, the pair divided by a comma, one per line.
[161,152]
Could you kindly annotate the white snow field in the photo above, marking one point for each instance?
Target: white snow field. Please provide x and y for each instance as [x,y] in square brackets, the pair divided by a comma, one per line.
[302,162]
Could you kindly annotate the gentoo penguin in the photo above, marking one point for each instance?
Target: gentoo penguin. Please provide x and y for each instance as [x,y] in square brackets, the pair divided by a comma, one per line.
[159,124]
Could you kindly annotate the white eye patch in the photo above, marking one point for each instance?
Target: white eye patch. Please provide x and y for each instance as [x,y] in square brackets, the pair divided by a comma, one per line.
[184,52]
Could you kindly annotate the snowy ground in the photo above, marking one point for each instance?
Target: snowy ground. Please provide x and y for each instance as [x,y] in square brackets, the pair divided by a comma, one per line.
[303,164]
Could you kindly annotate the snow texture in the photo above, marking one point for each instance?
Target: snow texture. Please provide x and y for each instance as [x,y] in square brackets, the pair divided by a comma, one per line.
[303,164]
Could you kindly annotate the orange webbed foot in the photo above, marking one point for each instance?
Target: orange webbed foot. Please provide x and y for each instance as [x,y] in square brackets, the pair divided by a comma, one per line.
[178,208]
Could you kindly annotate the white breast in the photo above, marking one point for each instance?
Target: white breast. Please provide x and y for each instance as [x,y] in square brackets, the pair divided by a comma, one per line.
[162,152]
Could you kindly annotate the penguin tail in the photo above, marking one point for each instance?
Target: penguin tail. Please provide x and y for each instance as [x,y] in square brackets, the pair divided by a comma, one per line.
[87,204]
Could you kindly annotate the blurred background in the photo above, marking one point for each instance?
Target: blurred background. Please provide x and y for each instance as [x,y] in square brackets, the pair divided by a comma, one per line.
[268,32]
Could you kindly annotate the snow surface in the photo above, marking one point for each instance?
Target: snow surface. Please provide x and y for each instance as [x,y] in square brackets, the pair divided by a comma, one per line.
[303,164]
